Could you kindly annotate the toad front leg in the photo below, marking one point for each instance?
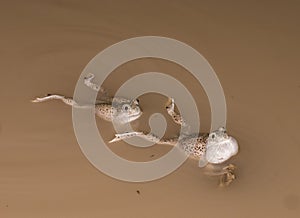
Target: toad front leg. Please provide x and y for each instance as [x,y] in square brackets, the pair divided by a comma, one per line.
[226,173]
[177,118]
[88,82]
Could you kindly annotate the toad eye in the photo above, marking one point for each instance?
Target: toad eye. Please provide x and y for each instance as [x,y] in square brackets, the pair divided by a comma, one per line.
[213,135]
[135,102]
[125,107]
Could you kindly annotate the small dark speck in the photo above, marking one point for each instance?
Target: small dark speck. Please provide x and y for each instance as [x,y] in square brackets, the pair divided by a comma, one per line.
[152,155]
[138,191]
[6,205]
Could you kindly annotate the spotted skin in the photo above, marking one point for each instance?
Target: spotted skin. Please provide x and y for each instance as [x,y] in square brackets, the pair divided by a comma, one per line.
[194,145]
[116,109]
[175,117]
[104,111]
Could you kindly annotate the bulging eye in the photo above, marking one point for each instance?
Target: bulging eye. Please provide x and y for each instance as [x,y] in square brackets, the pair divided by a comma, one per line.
[222,130]
[125,107]
[213,135]
[136,102]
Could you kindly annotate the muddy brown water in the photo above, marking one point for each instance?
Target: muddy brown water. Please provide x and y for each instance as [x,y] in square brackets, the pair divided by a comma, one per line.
[254,49]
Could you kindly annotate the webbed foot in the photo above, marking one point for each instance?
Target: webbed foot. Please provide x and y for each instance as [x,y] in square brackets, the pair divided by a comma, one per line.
[88,82]
[177,118]
[228,175]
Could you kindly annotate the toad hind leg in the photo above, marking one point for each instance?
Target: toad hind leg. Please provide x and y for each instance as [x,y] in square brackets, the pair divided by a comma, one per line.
[126,135]
[149,137]
[68,101]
